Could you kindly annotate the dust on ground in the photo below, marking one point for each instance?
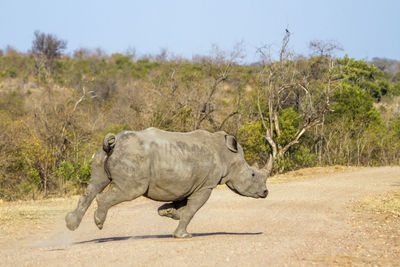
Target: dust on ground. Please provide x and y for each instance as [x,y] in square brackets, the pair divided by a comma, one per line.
[325,216]
[20,219]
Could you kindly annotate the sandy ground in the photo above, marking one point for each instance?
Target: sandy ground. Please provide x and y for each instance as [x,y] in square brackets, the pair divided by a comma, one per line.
[301,223]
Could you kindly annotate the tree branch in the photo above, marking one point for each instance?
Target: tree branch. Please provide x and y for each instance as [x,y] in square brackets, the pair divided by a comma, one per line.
[298,135]
[226,119]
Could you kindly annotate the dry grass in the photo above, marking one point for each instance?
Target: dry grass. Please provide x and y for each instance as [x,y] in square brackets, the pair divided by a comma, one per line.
[388,202]
[375,236]
[14,212]
[375,222]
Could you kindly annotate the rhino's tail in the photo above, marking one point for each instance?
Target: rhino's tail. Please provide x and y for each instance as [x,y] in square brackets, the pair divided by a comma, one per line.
[108,146]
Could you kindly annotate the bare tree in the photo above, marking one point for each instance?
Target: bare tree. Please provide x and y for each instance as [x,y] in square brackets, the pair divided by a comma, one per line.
[220,66]
[82,53]
[324,48]
[189,99]
[46,48]
[291,82]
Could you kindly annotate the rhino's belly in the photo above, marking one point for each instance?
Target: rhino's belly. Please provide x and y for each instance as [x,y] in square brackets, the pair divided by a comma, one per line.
[164,196]
[172,187]
[176,175]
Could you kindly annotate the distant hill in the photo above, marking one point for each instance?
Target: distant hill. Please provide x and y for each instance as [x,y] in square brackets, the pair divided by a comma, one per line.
[386,65]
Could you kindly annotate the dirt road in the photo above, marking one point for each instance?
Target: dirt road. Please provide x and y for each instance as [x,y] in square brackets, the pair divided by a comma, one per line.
[299,223]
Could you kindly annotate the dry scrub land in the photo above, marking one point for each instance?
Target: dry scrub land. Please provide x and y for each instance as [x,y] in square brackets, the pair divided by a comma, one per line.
[318,216]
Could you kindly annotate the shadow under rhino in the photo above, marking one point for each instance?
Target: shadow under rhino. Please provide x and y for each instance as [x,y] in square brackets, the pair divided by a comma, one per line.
[139,237]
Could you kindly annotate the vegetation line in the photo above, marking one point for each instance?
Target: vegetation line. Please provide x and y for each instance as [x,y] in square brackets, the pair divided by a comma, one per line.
[288,113]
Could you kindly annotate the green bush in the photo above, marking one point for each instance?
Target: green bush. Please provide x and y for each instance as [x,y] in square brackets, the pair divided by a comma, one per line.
[299,157]
[76,173]
[289,121]
[12,73]
[251,138]
[367,77]
[354,105]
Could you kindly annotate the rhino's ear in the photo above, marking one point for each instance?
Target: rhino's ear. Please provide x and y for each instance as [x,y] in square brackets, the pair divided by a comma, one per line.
[231,143]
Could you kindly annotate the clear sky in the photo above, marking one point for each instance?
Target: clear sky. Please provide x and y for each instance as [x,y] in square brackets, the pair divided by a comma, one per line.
[366,29]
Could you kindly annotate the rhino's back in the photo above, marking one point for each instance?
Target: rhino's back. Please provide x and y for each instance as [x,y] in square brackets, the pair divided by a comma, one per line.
[176,164]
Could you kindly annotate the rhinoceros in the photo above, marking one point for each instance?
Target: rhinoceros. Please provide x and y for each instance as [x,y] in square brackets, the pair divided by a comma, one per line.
[179,168]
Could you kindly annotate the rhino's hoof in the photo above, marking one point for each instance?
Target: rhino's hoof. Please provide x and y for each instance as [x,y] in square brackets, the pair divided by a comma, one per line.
[98,221]
[72,221]
[168,211]
[182,235]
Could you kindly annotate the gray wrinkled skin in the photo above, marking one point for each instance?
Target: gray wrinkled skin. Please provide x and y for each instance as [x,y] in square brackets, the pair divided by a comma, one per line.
[181,168]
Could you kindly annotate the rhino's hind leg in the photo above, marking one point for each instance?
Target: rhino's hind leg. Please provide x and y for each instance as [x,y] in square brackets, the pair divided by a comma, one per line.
[172,210]
[74,218]
[97,183]
[194,203]
[113,197]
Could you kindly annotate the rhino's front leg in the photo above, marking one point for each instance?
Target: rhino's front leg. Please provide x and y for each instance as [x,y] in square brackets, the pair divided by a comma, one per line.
[194,203]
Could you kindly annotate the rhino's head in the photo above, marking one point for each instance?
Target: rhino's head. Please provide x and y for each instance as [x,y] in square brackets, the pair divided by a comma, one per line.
[241,178]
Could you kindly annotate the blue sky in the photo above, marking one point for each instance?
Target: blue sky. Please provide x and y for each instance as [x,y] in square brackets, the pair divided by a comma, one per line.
[366,29]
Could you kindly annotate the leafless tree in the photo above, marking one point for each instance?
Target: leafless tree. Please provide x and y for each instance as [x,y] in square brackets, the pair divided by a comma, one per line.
[290,82]
[220,65]
[46,48]
[324,48]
